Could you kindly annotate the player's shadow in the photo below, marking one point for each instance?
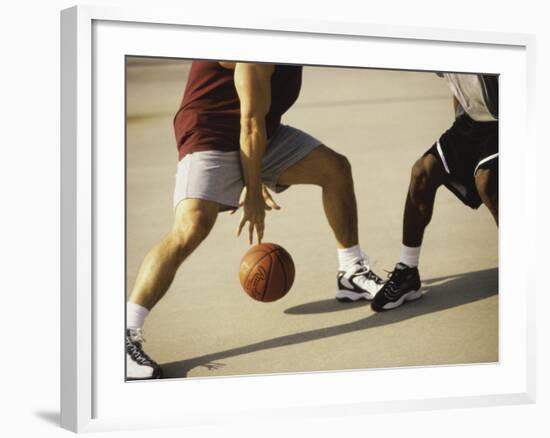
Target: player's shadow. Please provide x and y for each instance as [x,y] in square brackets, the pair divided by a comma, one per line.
[324,306]
[442,293]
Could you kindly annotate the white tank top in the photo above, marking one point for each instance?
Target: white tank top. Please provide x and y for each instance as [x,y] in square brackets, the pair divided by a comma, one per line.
[468,90]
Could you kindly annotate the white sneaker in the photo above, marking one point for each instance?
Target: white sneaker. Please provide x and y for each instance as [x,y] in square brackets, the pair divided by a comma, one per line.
[139,366]
[358,282]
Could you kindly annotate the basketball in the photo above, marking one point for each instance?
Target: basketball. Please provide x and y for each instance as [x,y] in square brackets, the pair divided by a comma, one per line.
[266,272]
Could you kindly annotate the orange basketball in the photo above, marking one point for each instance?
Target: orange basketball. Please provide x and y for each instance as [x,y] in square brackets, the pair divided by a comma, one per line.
[266,272]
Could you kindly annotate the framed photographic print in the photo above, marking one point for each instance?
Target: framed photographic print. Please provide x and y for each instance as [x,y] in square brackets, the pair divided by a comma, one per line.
[361,149]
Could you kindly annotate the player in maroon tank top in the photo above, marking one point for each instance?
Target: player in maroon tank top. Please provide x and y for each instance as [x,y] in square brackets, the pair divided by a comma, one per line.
[209,115]
[231,142]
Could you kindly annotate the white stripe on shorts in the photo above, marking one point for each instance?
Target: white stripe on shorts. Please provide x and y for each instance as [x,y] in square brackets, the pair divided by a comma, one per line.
[490,157]
[440,151]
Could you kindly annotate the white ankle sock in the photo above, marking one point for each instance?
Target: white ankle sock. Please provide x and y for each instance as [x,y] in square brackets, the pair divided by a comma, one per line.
[135,315]
[349,256]
[410,256]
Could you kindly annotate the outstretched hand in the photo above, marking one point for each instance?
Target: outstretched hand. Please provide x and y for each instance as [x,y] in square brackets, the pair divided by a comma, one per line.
[254,208]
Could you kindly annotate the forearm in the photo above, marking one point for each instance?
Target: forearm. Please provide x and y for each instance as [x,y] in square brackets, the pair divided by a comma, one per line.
[253,83]
[253,141]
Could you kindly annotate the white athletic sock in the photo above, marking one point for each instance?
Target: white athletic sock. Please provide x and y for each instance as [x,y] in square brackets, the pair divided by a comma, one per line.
[349,256]
[135,315]
[410,256]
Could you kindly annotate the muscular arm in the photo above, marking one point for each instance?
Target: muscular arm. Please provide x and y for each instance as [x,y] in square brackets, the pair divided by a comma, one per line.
[253,85]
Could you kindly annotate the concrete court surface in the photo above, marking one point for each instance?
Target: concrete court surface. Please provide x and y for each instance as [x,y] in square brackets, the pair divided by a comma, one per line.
[382,121]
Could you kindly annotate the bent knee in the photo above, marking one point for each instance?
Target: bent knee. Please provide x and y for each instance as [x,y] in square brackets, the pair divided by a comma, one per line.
[189,232]
[336,171]
[197,227]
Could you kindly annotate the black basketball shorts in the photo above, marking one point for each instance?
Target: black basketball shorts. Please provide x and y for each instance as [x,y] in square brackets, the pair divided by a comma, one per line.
[463,149]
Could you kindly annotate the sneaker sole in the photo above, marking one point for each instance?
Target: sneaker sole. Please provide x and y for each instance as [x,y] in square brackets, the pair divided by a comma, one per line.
[409,296]
[135,379]
[346,296]
[153,377]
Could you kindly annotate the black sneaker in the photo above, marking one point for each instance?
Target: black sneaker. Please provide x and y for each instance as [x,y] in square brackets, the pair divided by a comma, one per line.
[403,285]
[358,282]
[139,366]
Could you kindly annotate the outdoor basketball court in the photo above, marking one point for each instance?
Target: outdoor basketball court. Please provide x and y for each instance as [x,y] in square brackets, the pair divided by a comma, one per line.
[382,121]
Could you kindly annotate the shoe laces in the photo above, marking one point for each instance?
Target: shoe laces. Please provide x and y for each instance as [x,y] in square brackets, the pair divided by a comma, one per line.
[365,272]
[136,335]
[134,340]
[390,288]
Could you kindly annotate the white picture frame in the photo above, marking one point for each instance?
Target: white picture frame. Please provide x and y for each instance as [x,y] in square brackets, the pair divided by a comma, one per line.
[93,394]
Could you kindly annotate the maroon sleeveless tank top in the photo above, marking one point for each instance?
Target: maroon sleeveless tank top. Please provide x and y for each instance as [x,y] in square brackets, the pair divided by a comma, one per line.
[209,115]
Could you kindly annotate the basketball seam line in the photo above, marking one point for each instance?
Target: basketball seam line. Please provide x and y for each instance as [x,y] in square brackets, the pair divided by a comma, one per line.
[261,258]
[283,268]
[269,277]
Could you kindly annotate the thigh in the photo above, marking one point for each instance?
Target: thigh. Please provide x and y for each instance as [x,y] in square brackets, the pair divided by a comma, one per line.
[314,168]
[428,169]
[195,216]
[486,180]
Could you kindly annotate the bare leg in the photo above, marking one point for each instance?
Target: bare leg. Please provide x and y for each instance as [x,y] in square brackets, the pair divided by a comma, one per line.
[487,187]
[332,172]
[194,218]
[426,176]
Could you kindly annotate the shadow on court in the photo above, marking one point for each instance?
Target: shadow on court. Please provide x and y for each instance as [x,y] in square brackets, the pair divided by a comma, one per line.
[480,279]
[442,293]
